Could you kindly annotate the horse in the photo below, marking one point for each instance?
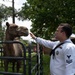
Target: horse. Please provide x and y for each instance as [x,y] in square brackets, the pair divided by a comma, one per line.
[13,33]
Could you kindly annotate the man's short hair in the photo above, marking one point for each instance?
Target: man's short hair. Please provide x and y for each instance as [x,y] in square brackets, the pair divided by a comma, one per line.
[66,28]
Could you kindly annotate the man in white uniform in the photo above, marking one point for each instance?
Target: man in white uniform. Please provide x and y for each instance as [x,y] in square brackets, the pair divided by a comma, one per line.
[63,57]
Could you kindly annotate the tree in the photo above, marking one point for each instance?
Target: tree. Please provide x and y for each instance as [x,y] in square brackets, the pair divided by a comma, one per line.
[47,14]
[5,12]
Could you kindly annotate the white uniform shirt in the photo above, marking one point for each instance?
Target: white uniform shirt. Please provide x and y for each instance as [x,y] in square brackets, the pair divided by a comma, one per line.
[64,60]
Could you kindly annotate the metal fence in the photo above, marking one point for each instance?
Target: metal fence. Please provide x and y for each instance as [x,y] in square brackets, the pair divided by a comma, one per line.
[32,63]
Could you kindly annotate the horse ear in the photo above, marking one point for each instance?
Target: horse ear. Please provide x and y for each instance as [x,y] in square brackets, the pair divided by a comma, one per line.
[7,24]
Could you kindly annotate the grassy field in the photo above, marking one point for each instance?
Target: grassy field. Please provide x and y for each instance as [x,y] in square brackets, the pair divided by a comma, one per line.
[46,61]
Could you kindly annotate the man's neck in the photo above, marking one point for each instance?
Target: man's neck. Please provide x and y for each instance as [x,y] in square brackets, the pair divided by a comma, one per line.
[62,40]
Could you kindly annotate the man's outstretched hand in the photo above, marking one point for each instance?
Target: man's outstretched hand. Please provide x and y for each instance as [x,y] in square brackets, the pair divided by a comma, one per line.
[32,35]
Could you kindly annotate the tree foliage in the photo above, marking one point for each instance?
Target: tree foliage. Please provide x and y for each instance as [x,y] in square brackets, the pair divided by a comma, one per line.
[5,12]
[46,15]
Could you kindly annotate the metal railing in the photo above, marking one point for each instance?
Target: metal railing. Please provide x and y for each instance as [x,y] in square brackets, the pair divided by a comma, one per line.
[27,60]
[38,67]
[17,58]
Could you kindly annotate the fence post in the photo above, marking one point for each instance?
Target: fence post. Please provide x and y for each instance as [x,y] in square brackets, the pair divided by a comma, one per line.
[38,60]
[41,60]
[29,58]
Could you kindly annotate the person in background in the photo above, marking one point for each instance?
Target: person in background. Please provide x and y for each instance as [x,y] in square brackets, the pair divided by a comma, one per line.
[62,60]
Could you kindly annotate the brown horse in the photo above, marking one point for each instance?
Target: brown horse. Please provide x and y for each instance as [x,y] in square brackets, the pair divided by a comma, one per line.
[12,33]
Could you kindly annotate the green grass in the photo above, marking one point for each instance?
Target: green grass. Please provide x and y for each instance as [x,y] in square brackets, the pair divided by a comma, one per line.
[46,62]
